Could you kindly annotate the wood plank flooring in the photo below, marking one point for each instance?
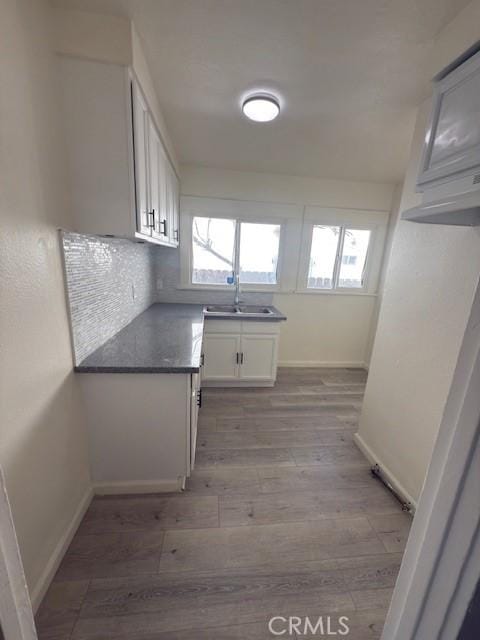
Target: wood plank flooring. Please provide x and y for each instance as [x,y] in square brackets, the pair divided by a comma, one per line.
[280,518]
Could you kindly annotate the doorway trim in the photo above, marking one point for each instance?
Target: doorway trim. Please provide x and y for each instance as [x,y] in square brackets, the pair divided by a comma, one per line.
[441,564]
[16,615]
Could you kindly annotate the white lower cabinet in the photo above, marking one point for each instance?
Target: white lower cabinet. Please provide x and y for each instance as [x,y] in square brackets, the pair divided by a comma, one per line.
[142,429]
[221,359]
[195,404]
[258,360]
[240,353]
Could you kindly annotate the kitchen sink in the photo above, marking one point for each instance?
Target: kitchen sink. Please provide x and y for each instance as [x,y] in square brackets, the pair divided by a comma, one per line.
[224,309]
[221,308]
[255,311]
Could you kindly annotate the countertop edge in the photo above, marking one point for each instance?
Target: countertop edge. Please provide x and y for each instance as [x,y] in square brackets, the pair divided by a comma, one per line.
[106,369]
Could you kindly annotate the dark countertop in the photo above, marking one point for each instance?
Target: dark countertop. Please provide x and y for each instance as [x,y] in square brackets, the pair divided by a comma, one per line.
[166,338]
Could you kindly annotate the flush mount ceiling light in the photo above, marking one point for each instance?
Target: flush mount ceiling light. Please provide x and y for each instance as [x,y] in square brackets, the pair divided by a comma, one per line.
[261,107]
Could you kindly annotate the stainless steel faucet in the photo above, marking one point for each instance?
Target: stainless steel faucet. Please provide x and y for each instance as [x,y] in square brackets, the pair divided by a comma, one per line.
[236,280]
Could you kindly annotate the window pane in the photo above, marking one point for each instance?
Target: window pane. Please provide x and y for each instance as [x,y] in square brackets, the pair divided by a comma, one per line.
[213,247]
[259,253]
[354,256]
[322,257]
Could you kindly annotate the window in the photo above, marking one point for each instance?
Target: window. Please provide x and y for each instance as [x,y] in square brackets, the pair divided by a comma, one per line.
[213,250]
[221,247]
[354,258]
[338,257]
[322,257]
[259,252]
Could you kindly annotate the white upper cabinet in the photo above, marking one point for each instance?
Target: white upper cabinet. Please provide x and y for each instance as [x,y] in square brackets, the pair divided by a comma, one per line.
[141,161]
[175,207]
[161,220]
[173,198]
[123,182]
[452,142]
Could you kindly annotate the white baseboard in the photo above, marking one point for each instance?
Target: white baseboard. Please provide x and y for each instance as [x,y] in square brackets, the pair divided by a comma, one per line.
[137,486]
[346,364]
[103,488]
[374,459]
[39,590]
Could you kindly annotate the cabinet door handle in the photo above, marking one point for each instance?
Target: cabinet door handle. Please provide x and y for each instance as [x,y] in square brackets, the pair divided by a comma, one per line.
[175,233]
[238,357]
[151,217]
[241,358]
[202,359]
[164,222]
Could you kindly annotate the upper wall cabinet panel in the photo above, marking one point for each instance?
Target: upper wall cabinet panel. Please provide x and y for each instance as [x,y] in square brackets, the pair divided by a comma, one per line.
[122,181]
[452,142]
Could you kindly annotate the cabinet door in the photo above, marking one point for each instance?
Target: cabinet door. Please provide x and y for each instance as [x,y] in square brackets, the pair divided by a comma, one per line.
[258,357]
[163,220]
[154,191]
[175,209]
[172,197]
[140,144]
[195,403]
[169,200]
[221,354]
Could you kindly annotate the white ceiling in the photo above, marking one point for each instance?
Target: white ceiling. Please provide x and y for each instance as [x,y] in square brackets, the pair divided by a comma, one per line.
[349,74]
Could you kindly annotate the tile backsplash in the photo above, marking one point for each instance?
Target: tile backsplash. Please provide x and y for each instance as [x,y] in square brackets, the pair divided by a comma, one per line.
[109,282]
[167,269]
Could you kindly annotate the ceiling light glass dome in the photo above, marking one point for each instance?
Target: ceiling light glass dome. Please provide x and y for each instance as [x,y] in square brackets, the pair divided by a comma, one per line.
[261,107]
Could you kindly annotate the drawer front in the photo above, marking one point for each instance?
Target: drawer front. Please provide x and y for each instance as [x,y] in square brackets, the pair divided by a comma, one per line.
[222,326]
[270,328]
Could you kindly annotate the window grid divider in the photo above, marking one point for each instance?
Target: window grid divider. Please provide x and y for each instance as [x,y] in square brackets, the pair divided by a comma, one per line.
[338,258]
[236,254]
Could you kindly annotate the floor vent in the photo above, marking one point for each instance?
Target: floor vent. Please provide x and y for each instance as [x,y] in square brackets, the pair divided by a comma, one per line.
[377,473]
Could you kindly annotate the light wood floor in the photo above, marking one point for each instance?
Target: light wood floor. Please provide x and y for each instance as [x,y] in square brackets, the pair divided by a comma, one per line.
[280,518]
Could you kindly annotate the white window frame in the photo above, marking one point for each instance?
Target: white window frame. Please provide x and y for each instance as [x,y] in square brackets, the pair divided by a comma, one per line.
[373,221]
[250,212]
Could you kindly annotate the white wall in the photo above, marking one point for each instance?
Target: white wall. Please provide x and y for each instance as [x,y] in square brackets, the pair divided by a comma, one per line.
[268,187]
[42,437]
[392,224]
[111,39]
[429,288]
[322,329]
[94,36]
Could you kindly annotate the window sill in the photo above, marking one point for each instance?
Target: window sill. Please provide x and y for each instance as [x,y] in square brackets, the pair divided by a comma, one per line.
[349,292]
[276,290]
[229,288]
